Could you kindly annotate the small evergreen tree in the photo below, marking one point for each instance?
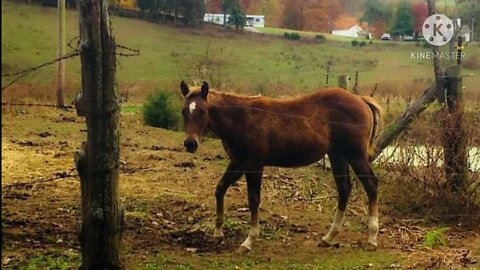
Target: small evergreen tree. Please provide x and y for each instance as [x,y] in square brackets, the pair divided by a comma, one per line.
[227,7]
[404,21]
[237,18]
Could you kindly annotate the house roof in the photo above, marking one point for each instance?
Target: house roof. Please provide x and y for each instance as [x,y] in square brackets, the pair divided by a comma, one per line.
[354,27]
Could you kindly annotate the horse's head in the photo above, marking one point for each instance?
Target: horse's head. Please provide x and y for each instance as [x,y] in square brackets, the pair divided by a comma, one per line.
[195,114]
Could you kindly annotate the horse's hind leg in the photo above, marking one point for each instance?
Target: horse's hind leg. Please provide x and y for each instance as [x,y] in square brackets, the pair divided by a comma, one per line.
[344,187]
[254,186]
[369,181]
[232,174]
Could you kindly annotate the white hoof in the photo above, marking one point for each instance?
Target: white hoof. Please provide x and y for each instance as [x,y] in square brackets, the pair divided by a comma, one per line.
[371,246]
[325,243]
[243,249]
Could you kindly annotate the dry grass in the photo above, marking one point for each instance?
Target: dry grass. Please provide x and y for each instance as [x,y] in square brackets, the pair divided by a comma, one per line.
[472,63]
[418,181]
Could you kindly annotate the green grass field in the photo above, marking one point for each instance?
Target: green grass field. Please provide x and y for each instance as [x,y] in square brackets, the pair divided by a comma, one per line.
[245,62]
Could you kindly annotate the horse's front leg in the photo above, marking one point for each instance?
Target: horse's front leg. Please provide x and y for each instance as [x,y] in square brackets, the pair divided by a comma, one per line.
[254,186]
[232,174]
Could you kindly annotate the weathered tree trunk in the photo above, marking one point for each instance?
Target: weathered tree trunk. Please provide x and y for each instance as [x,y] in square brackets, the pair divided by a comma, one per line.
[393,130]
[61,53]
[98,160]
[454,143]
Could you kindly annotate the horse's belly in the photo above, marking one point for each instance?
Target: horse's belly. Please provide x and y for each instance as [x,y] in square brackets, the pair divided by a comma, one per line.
[296,157]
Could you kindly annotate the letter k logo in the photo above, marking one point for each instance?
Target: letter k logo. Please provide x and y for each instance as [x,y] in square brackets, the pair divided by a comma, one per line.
[436,29]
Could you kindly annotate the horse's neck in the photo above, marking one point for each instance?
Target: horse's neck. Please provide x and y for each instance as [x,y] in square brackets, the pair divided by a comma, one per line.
[224,112]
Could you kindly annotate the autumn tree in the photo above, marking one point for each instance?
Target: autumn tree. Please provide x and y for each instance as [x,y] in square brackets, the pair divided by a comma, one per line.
[245,4]
[352,6]
[319,15]
[376,15]
[293,15]
[404,21]
[214,6]
[375,11]
[420,14]
[272,9]
[315,15]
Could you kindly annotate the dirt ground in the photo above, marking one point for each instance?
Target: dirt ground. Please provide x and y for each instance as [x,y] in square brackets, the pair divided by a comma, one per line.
[169,207]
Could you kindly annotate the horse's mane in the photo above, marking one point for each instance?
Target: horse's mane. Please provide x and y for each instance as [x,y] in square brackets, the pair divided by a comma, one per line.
[215,96]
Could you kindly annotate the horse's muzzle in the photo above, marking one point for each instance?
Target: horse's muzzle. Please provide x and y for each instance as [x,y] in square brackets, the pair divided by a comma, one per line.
[191,145]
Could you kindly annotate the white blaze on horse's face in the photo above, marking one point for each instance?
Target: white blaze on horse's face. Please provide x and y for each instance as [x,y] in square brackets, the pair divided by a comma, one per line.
[192,106]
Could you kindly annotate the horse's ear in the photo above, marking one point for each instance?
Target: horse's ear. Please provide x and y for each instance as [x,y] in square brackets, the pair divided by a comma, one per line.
[184,88]
[204,89]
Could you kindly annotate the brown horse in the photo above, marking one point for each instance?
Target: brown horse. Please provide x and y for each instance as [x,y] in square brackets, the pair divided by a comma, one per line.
[260,131]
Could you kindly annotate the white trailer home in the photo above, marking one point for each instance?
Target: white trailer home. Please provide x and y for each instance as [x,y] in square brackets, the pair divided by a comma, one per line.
[252,20]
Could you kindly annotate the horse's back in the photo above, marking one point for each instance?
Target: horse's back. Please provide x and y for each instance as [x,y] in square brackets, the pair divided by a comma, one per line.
[299,131]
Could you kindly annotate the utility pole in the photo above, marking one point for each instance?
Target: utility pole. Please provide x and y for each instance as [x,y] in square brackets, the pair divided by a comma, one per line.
[61,53]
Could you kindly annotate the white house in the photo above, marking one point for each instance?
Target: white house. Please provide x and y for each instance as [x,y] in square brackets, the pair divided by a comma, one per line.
[255,20]
[466,33]
[350,32]
[252,20]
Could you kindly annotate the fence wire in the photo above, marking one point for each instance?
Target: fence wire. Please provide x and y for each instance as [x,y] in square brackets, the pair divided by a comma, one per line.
[75,52]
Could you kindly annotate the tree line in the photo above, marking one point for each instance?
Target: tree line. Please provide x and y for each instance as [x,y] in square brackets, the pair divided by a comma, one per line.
[398,17]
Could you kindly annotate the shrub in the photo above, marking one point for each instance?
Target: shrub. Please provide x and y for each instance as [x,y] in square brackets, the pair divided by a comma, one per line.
[354,43]
[292,36]
[320,38]
[436,238]
[363,43]
[162,109]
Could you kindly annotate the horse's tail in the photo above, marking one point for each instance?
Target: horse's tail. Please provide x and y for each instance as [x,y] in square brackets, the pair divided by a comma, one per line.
[377,113]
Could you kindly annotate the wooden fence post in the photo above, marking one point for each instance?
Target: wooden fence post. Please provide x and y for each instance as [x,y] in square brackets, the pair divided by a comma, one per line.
[454,142]
[98,160]
[355,86]
[328,74]
[61,53]
[343,81]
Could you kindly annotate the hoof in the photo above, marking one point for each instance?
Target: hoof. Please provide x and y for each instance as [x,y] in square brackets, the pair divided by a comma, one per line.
[218,237]
[243,250]
[219,240]
[324,243]
[371,246]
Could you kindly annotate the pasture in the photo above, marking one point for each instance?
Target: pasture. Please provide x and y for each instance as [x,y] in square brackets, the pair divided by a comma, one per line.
[168,194]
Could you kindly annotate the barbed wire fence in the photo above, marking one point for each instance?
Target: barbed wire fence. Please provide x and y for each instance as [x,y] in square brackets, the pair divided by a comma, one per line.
[125,52]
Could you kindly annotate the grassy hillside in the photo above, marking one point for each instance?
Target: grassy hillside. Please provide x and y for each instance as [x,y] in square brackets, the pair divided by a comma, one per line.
[247,62]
